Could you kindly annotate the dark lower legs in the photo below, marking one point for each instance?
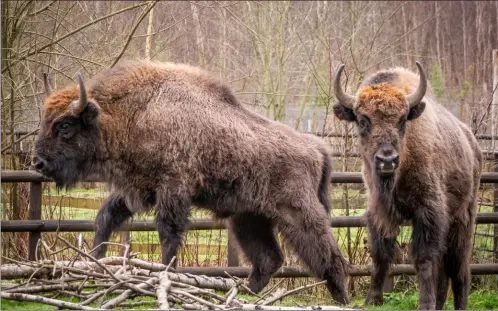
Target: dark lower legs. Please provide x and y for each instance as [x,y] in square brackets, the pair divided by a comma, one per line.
[442,286]
[110,217]
[310,236]
[257,240]
[429,234]
[171,221]
[382,252]
[457,262]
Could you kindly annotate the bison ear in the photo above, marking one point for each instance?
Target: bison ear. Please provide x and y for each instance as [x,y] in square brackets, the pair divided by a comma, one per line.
[416,111]
[343,113]
[91,112]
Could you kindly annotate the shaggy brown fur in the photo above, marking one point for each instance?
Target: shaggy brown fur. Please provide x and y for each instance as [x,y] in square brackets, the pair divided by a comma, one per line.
[173,136]
[434,186]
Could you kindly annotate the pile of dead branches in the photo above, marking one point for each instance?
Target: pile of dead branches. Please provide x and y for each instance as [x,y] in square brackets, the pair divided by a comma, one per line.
[109,282]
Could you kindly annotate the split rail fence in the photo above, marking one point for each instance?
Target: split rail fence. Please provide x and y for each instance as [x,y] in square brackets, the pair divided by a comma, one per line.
[35,226]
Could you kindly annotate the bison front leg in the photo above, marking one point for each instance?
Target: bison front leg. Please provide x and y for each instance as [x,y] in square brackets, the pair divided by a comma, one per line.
[110,217]
[171,220]
[429,231]
[382,251]
[255,236]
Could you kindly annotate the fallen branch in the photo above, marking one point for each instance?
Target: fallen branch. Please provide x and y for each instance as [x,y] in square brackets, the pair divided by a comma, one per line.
[127,293]
[274,298]
[164,287]
[129,278]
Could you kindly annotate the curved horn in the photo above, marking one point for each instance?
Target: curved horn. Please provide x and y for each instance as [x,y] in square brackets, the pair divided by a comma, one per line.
[345,99]
[46,84]
[83,102]
[414,98]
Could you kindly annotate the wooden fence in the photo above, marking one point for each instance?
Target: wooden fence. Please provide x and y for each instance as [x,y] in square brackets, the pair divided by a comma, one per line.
[35,225]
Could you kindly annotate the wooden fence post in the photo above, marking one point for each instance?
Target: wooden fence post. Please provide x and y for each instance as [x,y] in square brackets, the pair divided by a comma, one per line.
[124,238]
[35,211]
[495,209]
[495,163]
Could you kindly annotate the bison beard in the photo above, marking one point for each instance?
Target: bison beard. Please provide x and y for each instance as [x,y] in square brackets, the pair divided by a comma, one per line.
[167,137]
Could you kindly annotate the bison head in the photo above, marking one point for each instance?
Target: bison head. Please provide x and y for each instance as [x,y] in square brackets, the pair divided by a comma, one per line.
[380,112]
[68,141]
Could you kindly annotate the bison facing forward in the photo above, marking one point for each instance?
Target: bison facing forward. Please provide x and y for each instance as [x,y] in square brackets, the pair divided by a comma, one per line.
[420,164]
[171,136]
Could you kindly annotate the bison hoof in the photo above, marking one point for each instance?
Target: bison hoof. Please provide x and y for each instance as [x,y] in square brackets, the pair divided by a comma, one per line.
[257,283]
[341,299]
[374,300]
[427,306]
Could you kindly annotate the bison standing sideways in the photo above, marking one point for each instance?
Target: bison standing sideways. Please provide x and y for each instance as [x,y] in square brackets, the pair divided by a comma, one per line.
[420,164]
[171,136]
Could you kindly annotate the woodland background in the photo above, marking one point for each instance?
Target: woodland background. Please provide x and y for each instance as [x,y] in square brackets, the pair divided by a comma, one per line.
[279,58]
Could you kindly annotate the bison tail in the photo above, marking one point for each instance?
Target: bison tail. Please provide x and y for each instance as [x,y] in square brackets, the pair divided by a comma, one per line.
[325,182]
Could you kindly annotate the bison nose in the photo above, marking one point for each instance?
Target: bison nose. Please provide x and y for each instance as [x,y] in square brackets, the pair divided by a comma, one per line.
[386,164]
[38,163]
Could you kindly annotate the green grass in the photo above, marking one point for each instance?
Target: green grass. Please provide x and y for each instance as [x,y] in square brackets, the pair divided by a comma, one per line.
[6,304]
[97,192]
[478,300]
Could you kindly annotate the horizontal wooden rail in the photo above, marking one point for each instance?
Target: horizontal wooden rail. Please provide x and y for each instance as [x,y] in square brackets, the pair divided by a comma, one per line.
[339,135]
[297,272]
[196,224]
[11,176]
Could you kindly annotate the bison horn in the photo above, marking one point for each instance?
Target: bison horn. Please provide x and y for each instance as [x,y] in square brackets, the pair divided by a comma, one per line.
[344,99]
[83,102]
[46,84]
[414,98]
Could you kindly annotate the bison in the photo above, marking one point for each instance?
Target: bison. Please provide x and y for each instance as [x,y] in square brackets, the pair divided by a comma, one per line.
[420,165]
[170,136]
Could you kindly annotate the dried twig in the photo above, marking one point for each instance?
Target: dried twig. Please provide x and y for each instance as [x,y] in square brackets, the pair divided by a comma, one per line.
[240,283]
[290,292]
[167,287]
[127,293]
[164,287]
[231,296]
[132,32]
[53,42]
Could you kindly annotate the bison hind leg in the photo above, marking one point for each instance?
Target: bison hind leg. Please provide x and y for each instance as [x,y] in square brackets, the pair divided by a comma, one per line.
[457,263]
[442,286]
[255,236]
[307,230]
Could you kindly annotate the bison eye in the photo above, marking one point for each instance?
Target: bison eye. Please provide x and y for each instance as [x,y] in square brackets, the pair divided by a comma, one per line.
[363,124]
[402,124]
[65,129]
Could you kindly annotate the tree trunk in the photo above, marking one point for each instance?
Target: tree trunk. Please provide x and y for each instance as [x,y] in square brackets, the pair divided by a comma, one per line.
[148,40]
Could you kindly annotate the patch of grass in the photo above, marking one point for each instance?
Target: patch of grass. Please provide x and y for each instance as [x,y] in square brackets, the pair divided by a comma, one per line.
[478,300]
[6,304]
[97,192]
